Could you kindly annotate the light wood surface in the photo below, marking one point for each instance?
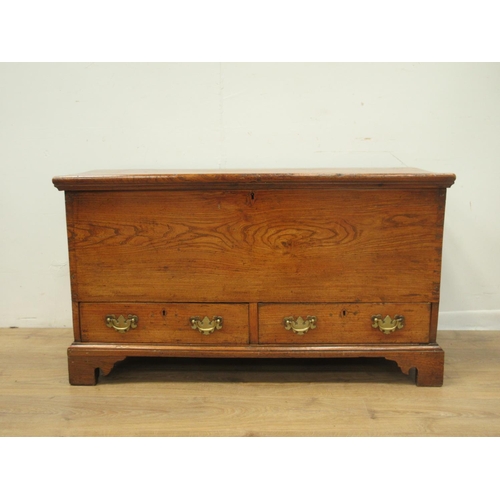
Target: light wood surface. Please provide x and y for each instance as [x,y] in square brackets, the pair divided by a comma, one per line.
[247,397]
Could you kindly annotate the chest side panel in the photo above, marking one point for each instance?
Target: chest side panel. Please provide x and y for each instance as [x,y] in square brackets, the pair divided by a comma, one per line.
[258,246]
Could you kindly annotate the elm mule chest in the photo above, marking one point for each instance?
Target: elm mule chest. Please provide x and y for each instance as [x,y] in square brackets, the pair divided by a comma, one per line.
[309,263]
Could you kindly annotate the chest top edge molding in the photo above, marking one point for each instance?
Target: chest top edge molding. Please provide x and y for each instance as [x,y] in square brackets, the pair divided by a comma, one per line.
[352,178]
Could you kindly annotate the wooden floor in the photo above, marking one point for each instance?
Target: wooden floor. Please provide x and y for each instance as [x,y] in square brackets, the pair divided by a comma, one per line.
[183,397]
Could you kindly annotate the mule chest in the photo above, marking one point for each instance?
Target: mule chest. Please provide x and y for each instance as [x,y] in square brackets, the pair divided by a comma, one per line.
[306,263]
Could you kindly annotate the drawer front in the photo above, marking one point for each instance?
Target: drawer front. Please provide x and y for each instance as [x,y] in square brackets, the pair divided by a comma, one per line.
[164,323]
[343,323]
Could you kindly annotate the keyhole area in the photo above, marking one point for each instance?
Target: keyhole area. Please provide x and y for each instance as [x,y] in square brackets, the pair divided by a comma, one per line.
[164,313]
[344,313]
[250,198]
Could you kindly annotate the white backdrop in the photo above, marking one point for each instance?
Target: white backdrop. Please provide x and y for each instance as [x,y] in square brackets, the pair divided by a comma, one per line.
[65,118]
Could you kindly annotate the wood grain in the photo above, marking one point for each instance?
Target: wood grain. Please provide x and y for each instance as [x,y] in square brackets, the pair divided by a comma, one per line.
[343,323]
[165,322]
[73,273]
[262,246]
[167,246]
[374,178]
[247,397]
[427,360]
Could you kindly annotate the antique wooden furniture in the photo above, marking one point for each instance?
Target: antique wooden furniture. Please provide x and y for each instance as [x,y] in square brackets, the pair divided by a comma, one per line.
[310,263]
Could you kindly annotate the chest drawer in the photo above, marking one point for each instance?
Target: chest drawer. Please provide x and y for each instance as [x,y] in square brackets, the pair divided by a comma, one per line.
[168,323]
[343,323]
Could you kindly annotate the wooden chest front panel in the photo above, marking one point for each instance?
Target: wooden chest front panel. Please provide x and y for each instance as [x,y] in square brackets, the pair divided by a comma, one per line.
[164,323]
[343,323]
[323,245]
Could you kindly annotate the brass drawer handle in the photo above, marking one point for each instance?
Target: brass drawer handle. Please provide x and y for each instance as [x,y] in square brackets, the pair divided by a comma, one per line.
[121,324]
[205,325]
[388,325]
[300,326]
